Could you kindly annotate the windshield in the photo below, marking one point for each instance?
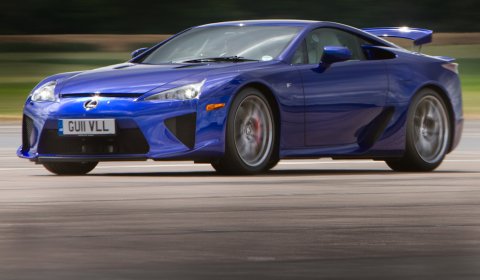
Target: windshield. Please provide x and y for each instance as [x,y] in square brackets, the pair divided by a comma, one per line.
[246,42]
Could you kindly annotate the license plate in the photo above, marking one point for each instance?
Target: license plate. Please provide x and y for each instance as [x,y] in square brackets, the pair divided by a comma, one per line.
[86,127]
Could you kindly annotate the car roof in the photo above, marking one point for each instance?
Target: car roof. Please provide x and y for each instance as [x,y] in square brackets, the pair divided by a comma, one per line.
[304,24]
[282,22]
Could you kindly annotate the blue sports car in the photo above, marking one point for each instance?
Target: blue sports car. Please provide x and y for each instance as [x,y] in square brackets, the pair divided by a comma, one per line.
[243,95]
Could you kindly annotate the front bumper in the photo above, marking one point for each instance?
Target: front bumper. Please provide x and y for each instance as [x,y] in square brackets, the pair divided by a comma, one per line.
[145,130]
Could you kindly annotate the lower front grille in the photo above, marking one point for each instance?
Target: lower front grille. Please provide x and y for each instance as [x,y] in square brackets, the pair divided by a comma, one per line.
[126,141]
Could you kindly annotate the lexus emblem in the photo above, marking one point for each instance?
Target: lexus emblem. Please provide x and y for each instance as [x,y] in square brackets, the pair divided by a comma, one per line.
[91,104]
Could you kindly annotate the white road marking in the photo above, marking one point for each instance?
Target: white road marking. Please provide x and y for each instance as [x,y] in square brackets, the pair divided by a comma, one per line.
[363,161]
[462,160]
[328,162]
[110,166]
[152,166]
[204,164]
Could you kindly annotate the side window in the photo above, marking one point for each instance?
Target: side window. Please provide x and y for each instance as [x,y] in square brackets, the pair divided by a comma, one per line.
[354,43]
[322,37]
[300,56]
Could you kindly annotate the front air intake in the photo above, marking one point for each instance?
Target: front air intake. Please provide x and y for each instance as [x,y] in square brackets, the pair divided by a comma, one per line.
[183,127]
[28,134]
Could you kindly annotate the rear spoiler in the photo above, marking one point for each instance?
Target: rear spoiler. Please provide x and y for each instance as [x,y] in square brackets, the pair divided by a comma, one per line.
[417,35]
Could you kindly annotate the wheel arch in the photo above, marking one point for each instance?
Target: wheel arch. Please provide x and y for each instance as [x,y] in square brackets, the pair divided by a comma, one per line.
[446,99]
[268,93]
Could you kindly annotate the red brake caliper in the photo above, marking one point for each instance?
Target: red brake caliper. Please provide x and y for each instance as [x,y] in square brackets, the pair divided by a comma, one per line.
[258,137]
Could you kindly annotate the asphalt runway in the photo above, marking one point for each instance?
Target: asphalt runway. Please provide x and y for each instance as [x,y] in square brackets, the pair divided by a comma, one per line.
[312,219]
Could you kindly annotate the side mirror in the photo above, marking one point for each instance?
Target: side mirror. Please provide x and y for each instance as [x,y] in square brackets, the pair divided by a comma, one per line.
[332,54]
[138,52]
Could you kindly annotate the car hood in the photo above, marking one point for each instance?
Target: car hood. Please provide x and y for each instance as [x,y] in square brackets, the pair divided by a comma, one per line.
[131,78]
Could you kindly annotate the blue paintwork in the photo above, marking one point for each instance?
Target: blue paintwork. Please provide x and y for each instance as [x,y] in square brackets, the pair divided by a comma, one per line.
[419,36]
[323,110]
[334,114]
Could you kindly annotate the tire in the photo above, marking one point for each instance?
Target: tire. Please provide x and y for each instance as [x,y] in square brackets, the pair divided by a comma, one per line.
[273,162]
[427,136]
[250,140]
[70,168]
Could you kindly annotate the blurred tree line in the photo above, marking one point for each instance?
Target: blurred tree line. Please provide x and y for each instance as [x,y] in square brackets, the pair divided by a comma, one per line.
[160,16]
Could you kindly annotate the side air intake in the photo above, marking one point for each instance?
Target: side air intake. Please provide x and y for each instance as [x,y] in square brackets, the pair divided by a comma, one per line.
[28,134]
[183,127]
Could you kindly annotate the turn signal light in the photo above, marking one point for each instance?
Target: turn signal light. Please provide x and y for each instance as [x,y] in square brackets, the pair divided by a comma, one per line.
[211,107]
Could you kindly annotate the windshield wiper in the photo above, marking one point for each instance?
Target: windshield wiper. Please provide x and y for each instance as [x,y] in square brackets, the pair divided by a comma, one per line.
[220,59]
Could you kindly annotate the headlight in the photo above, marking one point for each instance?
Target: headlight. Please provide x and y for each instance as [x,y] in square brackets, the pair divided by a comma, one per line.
[45,93]
[187,92]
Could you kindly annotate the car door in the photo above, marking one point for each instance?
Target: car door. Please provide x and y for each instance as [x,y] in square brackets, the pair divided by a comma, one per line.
[342,98]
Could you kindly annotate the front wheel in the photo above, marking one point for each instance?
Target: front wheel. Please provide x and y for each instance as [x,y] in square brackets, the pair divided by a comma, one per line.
[70,168]
[250,136]
[428,134]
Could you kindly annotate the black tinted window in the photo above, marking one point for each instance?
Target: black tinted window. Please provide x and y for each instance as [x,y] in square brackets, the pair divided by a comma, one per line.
[322,37]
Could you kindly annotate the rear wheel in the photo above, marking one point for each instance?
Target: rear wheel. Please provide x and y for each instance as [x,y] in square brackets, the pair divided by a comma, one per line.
[250,138]
[70,168]
[428,134]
